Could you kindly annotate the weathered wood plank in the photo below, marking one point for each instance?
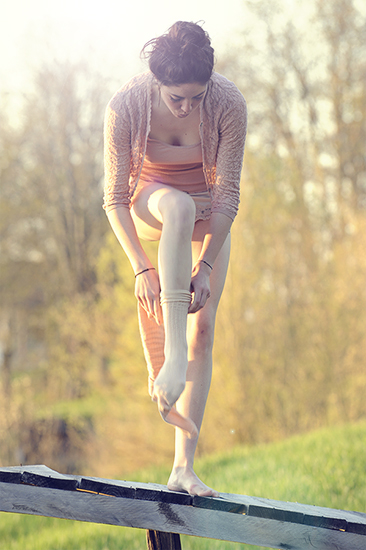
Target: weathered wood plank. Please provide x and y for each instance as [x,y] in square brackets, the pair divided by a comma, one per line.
[237,518]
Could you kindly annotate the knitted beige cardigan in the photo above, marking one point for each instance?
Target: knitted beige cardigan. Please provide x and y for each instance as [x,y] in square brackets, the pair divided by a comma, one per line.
[222,129]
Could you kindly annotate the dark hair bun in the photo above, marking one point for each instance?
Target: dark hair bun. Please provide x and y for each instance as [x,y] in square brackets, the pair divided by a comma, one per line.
[182,55]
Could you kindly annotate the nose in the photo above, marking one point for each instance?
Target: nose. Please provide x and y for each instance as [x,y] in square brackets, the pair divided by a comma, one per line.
[186,106]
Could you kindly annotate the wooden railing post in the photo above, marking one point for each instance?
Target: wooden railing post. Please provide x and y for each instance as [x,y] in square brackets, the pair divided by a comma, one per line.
[156,540]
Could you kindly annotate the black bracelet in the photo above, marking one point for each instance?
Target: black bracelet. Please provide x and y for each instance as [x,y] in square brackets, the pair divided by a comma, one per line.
[144,271]
[210,266]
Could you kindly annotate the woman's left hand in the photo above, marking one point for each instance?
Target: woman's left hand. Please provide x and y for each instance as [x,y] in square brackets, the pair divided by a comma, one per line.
[200,286]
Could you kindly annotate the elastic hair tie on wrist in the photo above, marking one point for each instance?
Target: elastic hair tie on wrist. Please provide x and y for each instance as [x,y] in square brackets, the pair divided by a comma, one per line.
[144,271]
[210,266]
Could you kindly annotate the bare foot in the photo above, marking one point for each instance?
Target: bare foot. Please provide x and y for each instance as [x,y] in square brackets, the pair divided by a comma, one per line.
[184,480]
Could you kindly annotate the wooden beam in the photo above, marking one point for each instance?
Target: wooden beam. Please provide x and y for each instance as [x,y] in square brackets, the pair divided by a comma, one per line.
[156,540]
[238,518]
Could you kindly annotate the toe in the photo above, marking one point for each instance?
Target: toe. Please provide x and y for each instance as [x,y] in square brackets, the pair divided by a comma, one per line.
[203,491]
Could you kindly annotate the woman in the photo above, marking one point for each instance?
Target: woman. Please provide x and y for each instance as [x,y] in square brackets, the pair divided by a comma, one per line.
[174,145]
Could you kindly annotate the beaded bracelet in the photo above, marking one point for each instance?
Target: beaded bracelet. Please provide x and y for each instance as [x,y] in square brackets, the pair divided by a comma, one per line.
[144,271]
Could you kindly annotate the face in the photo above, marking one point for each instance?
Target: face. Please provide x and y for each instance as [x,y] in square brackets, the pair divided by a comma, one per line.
[182,100]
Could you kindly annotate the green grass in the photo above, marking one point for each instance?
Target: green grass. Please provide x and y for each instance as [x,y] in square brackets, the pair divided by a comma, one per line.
[324,468]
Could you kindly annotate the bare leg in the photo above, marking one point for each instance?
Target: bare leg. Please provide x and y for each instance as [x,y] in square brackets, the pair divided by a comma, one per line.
[193,400]
[171,380]
[153,339]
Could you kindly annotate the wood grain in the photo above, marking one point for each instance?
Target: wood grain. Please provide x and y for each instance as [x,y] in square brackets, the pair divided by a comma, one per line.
[156,540]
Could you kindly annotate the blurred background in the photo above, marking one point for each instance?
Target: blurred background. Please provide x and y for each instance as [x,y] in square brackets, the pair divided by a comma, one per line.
[290,348]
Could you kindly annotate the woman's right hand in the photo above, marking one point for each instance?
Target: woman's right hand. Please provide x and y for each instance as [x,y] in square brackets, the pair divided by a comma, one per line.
[147,292]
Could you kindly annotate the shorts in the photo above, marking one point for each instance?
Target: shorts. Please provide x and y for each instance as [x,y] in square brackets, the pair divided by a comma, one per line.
[202,201]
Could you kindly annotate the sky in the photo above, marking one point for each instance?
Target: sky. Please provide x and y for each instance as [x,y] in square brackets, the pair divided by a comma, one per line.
[109,32]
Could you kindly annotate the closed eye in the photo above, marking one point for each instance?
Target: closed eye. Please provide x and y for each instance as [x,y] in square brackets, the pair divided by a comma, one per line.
[178,98]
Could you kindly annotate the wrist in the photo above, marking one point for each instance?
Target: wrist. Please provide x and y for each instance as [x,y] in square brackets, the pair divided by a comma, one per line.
[203,267]
[140,265]
[144,271]
[206,263]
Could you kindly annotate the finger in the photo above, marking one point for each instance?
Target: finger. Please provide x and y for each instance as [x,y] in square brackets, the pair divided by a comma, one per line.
[151,312]
[158,313]
[194,309]
[198,303]
[142,303]
[195,302]
[148,305]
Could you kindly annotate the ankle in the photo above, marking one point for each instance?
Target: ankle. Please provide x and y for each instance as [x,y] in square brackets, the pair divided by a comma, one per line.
[182,466]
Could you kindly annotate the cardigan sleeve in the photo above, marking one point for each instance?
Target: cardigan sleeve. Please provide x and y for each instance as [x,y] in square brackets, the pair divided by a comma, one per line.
[117,155]
[230,153]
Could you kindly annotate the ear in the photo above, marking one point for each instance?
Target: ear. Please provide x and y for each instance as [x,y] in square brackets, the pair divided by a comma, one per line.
[158,84]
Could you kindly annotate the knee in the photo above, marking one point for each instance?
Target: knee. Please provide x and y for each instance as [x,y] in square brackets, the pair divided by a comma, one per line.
[179,208]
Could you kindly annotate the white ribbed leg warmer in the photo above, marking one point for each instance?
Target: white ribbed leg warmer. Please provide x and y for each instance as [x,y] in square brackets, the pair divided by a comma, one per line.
[171,380]
[156,346]
[167,346]
[175,304]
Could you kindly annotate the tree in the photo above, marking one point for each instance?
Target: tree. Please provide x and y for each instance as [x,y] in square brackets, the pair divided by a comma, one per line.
[291,344]
[52,224]
[63,153]
[304,79]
